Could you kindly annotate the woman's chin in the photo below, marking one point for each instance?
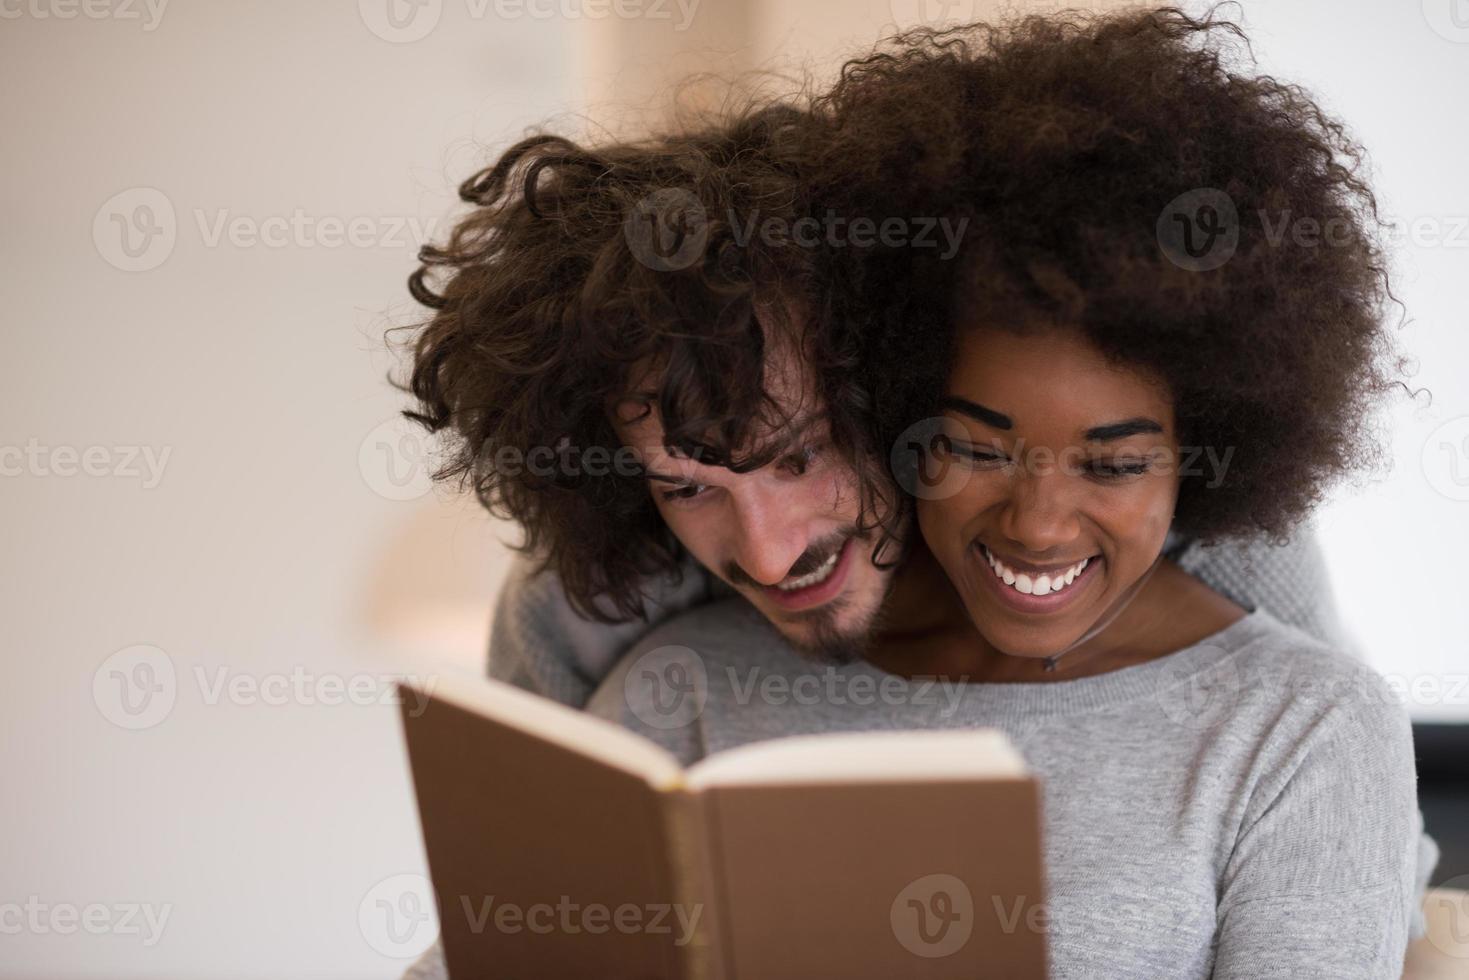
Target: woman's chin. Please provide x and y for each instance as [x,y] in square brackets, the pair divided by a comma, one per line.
[1027,642]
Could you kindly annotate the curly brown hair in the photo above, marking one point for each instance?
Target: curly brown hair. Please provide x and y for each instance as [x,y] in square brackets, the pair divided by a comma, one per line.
[1074,142]
[576,269]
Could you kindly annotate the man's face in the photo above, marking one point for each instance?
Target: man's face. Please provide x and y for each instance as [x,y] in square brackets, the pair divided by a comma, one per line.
[784,535]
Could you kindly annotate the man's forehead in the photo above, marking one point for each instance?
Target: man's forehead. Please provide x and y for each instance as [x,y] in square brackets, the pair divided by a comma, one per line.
[646,438]
[641,426]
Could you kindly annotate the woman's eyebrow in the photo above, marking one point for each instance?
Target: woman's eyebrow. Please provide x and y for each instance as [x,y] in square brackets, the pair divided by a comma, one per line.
[1099,433]
[988,416]
[1121,430]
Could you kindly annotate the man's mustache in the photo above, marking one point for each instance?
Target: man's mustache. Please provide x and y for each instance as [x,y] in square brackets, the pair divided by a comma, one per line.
[815,555]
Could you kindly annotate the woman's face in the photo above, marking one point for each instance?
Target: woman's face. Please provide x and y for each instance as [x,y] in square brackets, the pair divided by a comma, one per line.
[1070,481]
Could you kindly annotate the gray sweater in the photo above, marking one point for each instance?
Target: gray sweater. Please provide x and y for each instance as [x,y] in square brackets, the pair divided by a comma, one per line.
[1242,808]
[540,644]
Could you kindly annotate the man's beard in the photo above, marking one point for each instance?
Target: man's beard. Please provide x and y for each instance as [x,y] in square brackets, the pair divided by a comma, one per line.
[820,638]
[824,641]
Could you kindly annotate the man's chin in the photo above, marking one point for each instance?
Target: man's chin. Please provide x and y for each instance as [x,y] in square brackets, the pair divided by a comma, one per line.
[834,633]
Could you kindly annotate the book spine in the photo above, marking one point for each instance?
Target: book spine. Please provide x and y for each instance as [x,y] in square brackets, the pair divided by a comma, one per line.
[695,884]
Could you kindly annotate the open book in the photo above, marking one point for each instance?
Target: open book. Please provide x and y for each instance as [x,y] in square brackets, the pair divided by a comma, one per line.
[563,846]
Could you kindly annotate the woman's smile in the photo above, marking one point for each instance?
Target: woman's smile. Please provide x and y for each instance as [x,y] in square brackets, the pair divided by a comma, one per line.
[1034,589]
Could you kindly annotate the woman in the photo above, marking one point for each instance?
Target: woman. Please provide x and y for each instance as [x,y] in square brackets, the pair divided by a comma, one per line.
[1128,346]
[1135,340]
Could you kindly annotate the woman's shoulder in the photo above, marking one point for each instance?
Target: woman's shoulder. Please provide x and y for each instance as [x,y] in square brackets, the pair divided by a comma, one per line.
[1305,685]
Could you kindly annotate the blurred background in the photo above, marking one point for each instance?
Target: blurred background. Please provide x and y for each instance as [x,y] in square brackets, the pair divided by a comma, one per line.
[220,544]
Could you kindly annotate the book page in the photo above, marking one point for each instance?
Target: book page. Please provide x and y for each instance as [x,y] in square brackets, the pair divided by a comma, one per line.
[839,757]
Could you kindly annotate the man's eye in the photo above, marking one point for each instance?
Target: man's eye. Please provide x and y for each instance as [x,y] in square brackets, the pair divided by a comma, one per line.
[798,463]
[686,492]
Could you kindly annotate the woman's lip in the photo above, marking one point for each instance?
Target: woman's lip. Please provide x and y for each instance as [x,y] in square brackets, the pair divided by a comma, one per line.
[1034,604]
[820,593]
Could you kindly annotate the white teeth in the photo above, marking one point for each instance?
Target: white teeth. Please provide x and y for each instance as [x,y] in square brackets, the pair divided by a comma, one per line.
[813,578]
[1041,585]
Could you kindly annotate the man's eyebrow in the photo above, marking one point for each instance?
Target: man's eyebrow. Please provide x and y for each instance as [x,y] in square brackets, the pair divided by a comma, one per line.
[1121,430]
[988,416]
[664,477]
[797,437]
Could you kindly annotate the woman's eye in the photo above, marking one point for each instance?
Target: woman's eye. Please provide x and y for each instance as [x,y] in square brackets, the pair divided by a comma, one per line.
[686,492]
[971,453]
[1115,470]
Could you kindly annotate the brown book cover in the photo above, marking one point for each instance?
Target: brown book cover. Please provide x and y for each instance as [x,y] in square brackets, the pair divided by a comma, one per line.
[562,846]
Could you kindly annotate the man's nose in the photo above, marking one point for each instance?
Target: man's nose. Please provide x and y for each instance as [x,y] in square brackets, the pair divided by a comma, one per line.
[771,531]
